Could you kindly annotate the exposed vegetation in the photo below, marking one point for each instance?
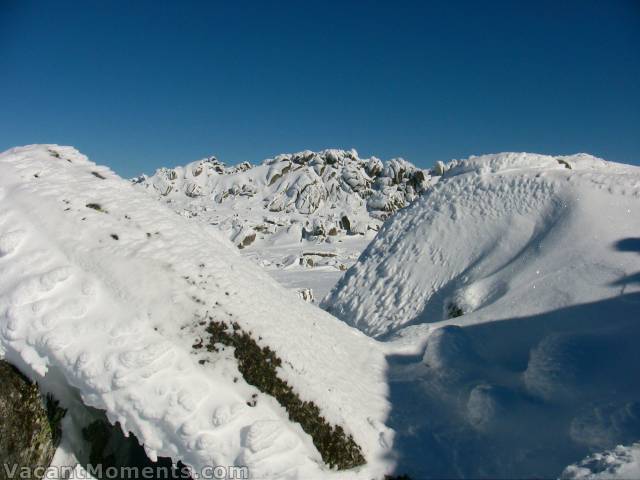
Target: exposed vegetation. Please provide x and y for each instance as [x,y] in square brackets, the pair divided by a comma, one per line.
[96,206]
[258,367]
[454,311]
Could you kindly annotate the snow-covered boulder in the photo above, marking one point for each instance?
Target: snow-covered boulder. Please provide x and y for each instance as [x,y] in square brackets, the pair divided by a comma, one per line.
[121,305]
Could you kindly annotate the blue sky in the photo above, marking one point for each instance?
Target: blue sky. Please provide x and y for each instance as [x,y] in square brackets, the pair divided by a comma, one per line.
[141,84]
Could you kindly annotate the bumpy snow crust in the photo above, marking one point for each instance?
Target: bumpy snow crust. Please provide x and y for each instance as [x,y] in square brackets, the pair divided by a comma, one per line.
[106,290]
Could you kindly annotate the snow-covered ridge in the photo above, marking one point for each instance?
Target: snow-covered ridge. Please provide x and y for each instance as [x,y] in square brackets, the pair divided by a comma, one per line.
[478,236]
[510,294]
[105,292]
[319,194]
[503,162]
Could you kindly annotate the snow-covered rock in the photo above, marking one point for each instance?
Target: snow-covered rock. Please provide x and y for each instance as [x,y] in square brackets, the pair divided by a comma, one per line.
[507,297]
[106,297]
[331,198]
[622,462]
[304,187]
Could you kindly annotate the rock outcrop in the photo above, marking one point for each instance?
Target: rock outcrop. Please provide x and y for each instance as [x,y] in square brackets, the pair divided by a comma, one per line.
[327,193]
[29,432]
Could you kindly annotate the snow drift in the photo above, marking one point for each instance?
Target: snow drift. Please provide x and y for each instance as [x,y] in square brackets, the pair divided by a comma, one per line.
[509,299]
[499,232]
[107,294]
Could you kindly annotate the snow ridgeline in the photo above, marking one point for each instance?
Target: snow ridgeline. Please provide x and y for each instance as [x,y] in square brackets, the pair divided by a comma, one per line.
[492,229]
[106,297]
[321,195]
[509,299]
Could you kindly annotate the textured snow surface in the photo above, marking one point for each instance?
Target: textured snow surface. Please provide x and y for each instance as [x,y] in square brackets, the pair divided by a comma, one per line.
[498,232]
[509,299]
[102,289]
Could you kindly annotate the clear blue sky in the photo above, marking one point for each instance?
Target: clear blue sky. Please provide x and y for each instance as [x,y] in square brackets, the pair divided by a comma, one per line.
[141,84]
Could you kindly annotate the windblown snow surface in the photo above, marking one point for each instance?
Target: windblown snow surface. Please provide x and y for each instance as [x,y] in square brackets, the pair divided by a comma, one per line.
[103,293]
[514,287]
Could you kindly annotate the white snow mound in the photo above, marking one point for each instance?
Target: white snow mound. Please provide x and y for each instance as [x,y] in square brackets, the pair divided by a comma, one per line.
[509,299]
[498,233]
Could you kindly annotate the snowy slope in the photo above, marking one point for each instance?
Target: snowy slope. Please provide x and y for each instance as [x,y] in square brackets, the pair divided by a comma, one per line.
[104,291]
[509,299]
[494,229]
[304,217]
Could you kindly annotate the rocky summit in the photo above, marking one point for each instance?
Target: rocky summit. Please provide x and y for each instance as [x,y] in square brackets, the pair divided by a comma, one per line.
[305,194]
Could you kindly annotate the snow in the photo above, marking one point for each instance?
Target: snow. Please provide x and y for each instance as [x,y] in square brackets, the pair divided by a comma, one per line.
[507,298]
[489,330]
[494,228]
[293,205]
[101,293]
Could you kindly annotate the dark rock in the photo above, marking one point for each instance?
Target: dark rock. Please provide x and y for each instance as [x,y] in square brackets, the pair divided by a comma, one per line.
[29,432]
[345,223]
[109,449]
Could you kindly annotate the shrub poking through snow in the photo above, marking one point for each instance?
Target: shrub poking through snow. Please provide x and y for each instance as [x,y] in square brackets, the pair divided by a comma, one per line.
[454,311]
[258,367]
[96,206]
